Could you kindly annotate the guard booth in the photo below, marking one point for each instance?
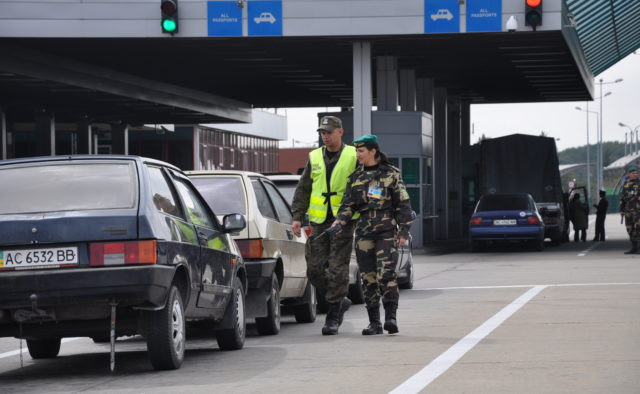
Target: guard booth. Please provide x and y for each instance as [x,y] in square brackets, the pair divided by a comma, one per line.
[407,139]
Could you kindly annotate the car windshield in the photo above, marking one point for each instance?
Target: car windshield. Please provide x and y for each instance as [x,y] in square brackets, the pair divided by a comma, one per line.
[503,203]
[224,195]
[67,187]
[287,189]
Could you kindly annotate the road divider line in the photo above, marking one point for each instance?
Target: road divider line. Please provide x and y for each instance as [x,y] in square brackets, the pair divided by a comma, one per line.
[589,249]
[527,286]
[25,350]
[443,362]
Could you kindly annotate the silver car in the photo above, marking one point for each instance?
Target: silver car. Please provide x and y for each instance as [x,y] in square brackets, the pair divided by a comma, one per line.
[273,255]
[287,184]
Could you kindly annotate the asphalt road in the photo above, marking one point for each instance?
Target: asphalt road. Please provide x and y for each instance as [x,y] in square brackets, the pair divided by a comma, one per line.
[507,320]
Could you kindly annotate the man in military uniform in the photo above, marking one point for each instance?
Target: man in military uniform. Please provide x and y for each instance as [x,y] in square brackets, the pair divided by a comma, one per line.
[376,191]
[630,208]
[319,194]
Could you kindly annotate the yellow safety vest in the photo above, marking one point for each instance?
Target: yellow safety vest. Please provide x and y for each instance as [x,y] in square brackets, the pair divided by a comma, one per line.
[339,179]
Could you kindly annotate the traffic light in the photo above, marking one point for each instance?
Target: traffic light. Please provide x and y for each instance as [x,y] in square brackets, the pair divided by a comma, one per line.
[169,19]
[533,13]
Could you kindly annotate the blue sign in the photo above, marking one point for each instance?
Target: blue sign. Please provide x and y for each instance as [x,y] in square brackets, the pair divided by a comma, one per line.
[441,16]
[484,15]
[224,19]
[265,18]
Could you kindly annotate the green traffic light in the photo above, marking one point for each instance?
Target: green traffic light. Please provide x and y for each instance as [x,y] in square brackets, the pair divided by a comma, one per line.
[169,25]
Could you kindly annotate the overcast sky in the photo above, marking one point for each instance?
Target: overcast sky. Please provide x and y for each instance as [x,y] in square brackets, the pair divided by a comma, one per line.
[559,120]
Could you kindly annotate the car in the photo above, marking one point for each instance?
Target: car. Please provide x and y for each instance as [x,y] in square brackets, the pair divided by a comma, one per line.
[87,240]
[506,217]
[442,13]
[554,218]
[265,17]
[273,255]
[287,185]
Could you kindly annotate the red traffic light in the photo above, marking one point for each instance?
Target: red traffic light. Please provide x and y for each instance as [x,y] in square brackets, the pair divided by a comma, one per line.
[169,7]
[534,3]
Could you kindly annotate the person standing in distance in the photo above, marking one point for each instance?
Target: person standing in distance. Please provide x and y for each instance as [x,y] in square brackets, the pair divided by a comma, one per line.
[377,192]
[319,194]
[601,214]
[630,208]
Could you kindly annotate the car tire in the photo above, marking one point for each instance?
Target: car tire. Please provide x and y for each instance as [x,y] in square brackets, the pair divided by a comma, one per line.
[270,324]
[476,246]
[233,338]
[540,245]
[43,348]
[408,284]
[356,294]
[306,312]
[166,333]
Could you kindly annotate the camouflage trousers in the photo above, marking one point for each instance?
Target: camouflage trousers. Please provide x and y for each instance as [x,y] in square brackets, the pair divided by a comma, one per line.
[377,259]
[632,222]
[328,261]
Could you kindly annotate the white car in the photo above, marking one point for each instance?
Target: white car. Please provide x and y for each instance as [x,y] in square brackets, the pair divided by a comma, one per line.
[442,13]
[274,257]
[265,17]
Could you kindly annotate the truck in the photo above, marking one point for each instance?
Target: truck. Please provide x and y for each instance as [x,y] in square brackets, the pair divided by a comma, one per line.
[521,163]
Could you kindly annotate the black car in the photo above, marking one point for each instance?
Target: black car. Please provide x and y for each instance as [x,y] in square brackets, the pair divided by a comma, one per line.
[85,239]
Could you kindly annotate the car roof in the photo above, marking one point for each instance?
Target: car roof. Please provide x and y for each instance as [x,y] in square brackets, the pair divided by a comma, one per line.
[43,159]
[290,177]
[221,172]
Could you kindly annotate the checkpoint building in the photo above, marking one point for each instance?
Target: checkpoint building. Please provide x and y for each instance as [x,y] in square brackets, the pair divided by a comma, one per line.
[406,70]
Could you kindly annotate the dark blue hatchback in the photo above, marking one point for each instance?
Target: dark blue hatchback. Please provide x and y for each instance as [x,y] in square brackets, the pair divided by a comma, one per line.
[506,217]
[86,241]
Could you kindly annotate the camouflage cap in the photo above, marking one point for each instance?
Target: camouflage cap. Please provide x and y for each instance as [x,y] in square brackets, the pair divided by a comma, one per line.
[632,169]
[369,140]
[330,123]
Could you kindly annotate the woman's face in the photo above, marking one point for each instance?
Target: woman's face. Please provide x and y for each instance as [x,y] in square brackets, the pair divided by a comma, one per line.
[366,156]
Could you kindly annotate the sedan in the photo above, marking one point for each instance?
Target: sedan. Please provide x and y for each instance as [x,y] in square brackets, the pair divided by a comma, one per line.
[107,246]
[506,217]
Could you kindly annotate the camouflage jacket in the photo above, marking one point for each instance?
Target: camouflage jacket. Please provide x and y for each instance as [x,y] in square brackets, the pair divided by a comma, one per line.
[301,196]
[382,200]
[629,196]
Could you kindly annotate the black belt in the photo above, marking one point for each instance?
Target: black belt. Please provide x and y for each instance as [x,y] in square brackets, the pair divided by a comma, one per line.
[327,197]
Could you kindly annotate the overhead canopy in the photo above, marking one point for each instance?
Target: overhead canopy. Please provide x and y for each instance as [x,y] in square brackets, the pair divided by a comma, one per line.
[608,30]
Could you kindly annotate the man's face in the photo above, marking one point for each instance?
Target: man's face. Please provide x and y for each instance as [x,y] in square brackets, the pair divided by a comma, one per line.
[633,175]
[333,137]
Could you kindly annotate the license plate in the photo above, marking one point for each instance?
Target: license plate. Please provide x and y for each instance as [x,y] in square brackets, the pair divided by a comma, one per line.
[505,222]
[28,258]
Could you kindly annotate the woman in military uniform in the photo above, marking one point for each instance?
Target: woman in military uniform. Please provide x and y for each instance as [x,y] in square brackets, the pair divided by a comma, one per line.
[377,192]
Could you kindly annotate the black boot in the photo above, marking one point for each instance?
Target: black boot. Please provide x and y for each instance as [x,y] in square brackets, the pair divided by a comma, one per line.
[331,322]
[390,323]
[375,326]
[634,248]
[344,306]
[637,246]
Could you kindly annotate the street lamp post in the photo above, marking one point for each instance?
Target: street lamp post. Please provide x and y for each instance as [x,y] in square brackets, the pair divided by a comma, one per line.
[631,132]
[588,149]
[600,167]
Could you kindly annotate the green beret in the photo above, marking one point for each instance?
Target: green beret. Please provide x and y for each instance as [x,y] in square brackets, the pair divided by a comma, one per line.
[369,140]
[632,169]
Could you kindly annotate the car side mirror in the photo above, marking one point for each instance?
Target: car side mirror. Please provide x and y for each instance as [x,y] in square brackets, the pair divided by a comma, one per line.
[233,222]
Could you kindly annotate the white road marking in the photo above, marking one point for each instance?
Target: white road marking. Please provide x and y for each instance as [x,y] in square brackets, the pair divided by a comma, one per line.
[437,367]
[528,286]
[25,350]
[589,249]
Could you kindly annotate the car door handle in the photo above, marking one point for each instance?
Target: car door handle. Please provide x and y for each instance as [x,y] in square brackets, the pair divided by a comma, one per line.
[289,234]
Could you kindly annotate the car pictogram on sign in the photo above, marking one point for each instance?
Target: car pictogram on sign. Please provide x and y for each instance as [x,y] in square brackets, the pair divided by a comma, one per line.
[265,17]
[442,13]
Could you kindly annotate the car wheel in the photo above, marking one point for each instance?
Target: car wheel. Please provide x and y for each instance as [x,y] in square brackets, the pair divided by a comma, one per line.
[233,338]
[166,333]
[356,294]
[270,325]
[408,284]
[306,313]
[43,348]
[476,246]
